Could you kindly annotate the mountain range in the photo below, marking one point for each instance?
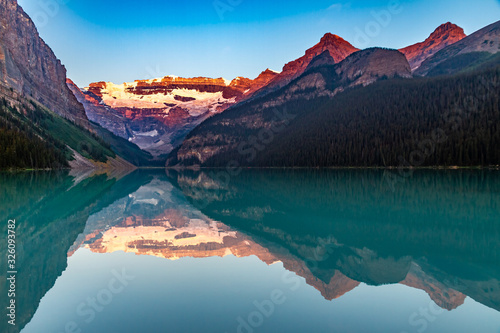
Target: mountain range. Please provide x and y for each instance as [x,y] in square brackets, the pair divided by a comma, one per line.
[203,121]
[380,119]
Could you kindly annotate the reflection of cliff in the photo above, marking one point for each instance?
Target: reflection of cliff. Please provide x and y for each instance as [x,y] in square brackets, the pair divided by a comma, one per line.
[434,228]
[50,209]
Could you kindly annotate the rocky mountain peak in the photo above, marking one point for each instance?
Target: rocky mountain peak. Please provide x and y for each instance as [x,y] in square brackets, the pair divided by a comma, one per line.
[447,28]
[484,40]
[331,38]
[444,35]
[338,48]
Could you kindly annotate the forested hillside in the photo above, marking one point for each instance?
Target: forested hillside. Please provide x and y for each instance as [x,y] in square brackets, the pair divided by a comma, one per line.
[33,137]
[442,121]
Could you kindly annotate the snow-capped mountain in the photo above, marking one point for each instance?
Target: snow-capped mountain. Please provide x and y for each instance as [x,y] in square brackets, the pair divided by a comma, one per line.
[156,114]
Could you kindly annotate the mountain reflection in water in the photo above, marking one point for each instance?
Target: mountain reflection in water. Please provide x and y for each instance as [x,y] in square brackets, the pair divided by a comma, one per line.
[438,231]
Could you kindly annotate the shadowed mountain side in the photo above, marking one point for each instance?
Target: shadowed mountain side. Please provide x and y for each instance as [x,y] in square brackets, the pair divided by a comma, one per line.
[223,137]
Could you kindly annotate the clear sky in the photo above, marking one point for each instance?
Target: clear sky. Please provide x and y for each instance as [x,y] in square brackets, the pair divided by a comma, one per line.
[124,40]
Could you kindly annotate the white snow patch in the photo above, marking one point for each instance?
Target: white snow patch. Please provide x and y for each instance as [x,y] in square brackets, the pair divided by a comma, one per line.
[151,133]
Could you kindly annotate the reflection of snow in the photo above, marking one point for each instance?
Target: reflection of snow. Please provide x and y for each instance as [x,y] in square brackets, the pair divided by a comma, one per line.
[153,193]
[153,202]
[154,236]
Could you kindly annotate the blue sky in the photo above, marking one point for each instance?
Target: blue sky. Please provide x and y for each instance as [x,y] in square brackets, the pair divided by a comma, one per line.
[118,41]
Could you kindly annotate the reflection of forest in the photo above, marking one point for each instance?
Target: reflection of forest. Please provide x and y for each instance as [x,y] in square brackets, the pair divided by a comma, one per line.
[443,223]
[51,209]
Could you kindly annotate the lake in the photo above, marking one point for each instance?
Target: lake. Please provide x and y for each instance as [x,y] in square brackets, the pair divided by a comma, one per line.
[259,251]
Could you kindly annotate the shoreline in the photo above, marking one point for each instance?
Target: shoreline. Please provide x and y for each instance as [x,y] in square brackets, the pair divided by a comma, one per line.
[494,167]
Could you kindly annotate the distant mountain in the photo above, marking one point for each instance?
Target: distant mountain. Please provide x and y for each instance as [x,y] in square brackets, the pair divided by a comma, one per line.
[446,34]
[471,51]
[387,124]
[222,134]
[308,123]
[29,67]
[157,114]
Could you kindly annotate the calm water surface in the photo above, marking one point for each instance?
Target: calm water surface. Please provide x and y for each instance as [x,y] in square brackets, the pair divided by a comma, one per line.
[262,251]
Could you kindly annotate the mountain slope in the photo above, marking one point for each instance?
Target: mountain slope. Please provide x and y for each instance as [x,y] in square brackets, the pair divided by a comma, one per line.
[446,34]
[335,46]
[379,125]
[486,40]
[223,134]
[439,122]
[127,150]
[30,68]
[33,137]
[42,125]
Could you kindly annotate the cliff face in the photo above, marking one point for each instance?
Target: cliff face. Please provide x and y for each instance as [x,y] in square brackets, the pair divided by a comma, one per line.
[29,67]
[446,34]
[157,114]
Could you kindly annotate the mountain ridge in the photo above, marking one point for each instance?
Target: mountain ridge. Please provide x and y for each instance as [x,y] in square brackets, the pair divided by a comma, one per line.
[444,35]
[486,40]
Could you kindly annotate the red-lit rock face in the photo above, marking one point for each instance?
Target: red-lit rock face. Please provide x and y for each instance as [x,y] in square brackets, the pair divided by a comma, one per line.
[337,47]
[446,34]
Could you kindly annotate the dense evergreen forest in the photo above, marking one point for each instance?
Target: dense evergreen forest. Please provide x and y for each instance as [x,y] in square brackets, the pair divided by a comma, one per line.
[32,137]
[440,121]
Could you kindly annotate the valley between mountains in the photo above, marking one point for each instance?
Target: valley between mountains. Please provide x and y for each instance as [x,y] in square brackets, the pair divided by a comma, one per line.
[335,106]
